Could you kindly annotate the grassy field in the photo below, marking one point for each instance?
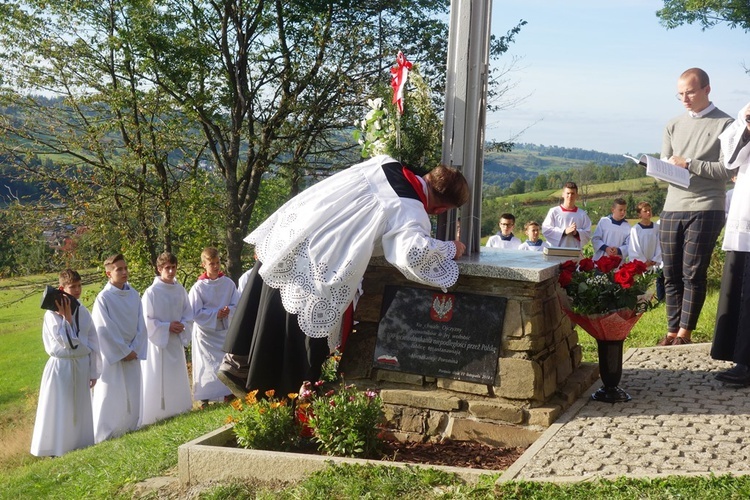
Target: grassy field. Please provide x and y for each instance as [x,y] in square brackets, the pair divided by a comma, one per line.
[110,469]
[606,190]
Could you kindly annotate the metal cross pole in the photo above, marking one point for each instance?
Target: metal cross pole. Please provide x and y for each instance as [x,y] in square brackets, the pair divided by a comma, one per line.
[465,112]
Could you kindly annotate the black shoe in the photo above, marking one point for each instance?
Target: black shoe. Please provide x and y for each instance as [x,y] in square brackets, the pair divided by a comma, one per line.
[233,383]
[738,375]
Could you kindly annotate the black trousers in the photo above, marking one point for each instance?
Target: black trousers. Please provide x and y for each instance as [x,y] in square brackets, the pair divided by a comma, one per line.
[266,341]
[732,332]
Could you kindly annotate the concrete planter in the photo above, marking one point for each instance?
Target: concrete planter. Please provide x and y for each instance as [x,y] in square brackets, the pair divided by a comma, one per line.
[207,459]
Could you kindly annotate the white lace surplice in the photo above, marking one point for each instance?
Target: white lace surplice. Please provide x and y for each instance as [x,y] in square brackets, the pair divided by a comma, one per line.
[316,248]
[737,229]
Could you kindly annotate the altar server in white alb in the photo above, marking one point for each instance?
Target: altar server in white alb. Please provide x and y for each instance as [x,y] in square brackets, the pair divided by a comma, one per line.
[644,245]
[505,239]
[644,238]
[612,234]
[213,299]
[64,421]
[312,254]
[169,323]
[533,242]
[118,319]
[567,225]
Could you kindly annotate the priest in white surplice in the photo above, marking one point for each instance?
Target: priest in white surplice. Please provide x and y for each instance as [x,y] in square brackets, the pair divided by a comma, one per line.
[731,340]
[311,255]
[63,417]
[169,322]
[116,398]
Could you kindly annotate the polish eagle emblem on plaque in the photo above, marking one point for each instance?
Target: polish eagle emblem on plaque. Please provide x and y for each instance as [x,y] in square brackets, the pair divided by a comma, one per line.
[442,307]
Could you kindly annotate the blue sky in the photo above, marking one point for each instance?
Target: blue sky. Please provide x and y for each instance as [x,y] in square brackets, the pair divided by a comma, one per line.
[602,74]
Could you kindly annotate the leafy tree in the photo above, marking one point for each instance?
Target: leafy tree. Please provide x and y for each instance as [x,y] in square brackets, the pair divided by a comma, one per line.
[114,147]
[707,13]
[155,92]
[150,86]
[518,186]
[541,183]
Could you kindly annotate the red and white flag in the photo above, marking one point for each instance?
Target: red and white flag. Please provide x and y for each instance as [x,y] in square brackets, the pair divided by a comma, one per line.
[399,75]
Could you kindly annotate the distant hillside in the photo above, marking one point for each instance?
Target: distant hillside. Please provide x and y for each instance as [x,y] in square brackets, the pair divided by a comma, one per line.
[526,161]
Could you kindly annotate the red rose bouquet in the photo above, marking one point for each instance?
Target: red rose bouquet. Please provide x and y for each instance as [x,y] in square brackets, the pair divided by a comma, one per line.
[606,298]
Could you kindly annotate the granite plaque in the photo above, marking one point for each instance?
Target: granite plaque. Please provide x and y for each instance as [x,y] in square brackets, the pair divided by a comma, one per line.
[448,335]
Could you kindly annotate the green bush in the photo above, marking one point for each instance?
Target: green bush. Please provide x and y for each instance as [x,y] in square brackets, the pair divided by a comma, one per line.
[342,423]
[345,422]
[716,266]
[265,424]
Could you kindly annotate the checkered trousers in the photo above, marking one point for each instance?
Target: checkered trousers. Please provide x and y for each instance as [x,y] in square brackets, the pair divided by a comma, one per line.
[687,241]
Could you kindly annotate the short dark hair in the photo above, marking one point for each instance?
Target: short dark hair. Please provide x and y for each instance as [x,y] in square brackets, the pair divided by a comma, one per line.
[68,277]
[448,186]
[571,185]
[644,204]
[110,261]
[165,258]
[209,253]
[619,201]
[509,217]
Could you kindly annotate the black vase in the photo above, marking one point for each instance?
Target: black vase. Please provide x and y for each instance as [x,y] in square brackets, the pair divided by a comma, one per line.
[610,371]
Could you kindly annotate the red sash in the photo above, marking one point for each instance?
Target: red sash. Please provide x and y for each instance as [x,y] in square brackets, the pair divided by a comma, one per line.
[416,184]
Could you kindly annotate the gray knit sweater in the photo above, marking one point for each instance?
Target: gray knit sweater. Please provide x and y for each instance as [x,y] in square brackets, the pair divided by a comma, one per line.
[697,139]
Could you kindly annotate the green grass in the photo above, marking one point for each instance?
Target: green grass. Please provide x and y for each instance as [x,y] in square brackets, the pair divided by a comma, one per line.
[109,470]
[552,196]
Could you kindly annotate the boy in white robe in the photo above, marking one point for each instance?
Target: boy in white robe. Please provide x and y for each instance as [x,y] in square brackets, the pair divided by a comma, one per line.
[213,299]
[169,322]
[644,245]
[567,225]
[504,238]
[118,319]
[64,420]
[533,242]
[612,234]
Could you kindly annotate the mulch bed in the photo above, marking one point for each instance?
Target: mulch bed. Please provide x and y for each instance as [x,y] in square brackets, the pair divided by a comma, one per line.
[449,453]
[452,453]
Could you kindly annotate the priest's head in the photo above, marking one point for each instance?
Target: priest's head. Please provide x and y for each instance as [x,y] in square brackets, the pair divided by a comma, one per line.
[447,189]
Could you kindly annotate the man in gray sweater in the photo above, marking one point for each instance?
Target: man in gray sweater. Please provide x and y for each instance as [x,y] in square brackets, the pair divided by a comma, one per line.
[693,217]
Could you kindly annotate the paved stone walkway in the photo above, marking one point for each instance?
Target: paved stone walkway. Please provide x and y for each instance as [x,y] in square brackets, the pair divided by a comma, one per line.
[681,421]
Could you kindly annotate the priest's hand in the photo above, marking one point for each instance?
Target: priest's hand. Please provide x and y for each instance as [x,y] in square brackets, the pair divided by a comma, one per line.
[131,356]
[460,249]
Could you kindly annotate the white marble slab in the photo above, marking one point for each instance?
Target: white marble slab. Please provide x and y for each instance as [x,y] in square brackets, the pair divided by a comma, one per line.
[516,265]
